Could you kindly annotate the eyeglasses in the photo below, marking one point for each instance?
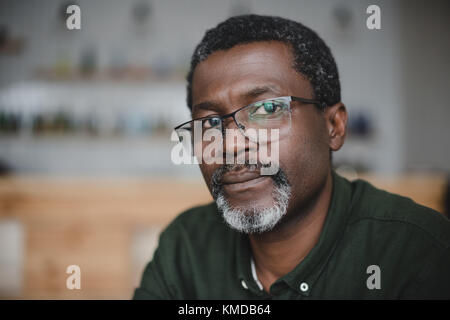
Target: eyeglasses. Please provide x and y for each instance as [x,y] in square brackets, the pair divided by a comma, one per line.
[268,114]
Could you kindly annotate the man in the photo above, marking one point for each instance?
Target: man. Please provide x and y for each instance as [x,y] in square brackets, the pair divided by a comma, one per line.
[304,232]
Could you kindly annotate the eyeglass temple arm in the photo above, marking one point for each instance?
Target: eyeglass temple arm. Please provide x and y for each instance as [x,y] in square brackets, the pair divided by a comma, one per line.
[304,100]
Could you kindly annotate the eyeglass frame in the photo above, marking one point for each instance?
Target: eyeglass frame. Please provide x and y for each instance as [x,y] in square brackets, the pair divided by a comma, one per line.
[319,104]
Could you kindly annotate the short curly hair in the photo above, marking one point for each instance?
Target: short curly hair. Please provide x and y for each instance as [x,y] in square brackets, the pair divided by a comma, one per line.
[312,57]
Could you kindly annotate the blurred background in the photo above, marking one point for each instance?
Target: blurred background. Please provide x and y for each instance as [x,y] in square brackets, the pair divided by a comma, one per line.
[86,118]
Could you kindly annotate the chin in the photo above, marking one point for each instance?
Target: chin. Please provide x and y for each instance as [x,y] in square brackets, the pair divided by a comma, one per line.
[258,216]
[253,206]
[249,207]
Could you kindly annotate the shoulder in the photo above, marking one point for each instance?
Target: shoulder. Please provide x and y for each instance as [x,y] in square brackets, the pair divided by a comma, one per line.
[206,213]
[197,218]
[409,242]
[387,208]
[185,247]
[196,226]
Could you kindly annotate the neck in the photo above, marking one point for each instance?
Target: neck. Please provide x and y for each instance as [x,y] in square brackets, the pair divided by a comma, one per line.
[279,251]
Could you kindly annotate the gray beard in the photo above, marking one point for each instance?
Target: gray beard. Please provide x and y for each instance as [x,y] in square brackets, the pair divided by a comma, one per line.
[253,220]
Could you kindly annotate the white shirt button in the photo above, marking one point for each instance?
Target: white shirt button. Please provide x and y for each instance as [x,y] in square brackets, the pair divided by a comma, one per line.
[244,285]
[304,287]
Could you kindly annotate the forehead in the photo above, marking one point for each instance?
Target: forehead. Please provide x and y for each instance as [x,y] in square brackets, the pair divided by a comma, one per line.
[230,74]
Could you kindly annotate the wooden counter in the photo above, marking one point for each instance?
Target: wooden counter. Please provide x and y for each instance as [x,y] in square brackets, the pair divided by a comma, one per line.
[109,227]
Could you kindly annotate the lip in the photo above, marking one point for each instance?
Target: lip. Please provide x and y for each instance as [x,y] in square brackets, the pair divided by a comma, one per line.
[239,176]
[242,180]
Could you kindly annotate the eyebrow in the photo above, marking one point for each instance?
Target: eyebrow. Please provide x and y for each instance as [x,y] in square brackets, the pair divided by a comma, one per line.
[207,105]
[250,94]
[257,91]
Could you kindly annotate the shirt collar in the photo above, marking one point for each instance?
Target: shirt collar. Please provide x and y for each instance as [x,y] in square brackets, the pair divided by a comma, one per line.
[309,270]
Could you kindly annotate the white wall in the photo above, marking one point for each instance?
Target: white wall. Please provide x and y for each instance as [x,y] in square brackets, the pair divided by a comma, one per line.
[380,69]
[425,60]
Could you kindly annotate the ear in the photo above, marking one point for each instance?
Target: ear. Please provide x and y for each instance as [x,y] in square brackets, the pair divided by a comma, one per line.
[336,122]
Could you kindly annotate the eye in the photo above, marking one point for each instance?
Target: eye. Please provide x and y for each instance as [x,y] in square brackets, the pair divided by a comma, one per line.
[212,122]
[267,107]
[270,107]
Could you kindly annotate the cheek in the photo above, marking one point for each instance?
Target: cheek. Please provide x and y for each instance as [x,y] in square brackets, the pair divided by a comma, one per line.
[207,172]
[305,153]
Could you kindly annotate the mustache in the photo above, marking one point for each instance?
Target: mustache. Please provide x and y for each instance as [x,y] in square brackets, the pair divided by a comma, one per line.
[279,179]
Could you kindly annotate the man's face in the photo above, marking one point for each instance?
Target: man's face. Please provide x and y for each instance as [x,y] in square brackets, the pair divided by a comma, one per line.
[230,79]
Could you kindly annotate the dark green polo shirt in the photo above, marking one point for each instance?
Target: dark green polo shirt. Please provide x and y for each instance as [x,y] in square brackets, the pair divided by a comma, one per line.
[374,245]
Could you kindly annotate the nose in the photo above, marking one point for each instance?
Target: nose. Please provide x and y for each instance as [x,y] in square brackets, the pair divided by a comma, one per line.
[238,148]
